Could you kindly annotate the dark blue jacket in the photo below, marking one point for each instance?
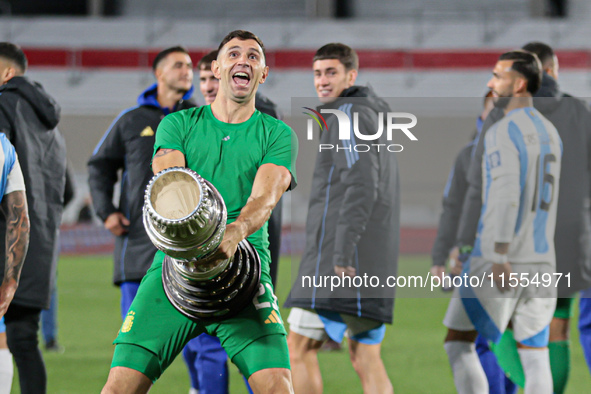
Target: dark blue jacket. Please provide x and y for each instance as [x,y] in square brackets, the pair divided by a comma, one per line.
[353,217]
[128,146]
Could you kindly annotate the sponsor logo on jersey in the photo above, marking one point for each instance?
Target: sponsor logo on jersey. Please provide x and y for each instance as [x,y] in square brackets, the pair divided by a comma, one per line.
[126,327]
[226,138]
[147,132]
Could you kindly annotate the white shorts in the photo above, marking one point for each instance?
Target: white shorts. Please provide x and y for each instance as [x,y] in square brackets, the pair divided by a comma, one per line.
[334,326]
[488,310]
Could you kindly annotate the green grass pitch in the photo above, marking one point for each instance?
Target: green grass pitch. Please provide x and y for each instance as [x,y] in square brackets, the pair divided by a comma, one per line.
[412,351]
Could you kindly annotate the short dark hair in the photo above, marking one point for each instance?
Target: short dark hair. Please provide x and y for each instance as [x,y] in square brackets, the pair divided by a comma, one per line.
[13,53]
[528,65]
[205,61]
[242,35]
[162,55]
[543,51]
[343,53]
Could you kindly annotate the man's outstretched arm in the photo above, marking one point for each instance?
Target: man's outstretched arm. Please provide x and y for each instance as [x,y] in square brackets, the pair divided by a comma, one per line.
[166,158]
[16,212]
[270,183]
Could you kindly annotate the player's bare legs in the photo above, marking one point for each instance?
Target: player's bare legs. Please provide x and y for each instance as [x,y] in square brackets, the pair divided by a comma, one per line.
[466,336]
[367,362]
[271,381]
[126,381]
[559,329]
[303,356]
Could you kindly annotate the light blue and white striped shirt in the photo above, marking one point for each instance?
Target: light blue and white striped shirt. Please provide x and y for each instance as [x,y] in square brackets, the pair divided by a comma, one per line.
[11,176]
[521,170]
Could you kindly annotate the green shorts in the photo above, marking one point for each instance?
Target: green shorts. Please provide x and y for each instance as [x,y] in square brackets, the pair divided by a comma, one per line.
[564,308]
[158,332]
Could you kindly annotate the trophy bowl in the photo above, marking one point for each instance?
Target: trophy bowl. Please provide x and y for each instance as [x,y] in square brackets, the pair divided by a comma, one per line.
[185,217]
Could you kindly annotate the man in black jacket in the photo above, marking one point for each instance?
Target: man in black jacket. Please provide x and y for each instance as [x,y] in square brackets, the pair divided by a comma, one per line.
[128,145]
[572,118]
[28,117]
[352,231]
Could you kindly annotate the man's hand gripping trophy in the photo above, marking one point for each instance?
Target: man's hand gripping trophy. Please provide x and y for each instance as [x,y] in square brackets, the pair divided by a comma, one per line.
[185,217]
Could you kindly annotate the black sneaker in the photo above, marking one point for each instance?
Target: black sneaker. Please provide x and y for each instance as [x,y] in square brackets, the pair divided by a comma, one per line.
[53,346]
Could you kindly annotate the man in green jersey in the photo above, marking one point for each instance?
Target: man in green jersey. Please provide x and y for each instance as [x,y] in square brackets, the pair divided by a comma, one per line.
[250,158]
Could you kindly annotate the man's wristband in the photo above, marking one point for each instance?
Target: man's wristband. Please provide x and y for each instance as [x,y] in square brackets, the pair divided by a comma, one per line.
[498,258]
[465,249]
[465,252]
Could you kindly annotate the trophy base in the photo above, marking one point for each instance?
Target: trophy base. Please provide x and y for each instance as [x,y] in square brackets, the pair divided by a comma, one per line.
[218,298]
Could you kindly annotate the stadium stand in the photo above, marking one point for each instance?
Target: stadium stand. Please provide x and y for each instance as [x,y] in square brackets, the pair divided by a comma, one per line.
[95,66]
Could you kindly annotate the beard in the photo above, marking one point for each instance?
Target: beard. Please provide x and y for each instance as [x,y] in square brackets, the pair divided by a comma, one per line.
[182,91]
[501,102]
[178,87]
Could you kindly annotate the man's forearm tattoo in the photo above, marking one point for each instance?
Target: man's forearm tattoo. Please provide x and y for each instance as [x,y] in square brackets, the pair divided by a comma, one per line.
[17,233]
[163,152]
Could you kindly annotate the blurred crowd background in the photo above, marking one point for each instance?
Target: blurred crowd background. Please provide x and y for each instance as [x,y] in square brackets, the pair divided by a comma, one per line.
[94,57]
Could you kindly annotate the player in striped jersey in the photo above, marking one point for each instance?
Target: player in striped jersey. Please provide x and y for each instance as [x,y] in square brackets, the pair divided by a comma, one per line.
[14,205]
[515,235]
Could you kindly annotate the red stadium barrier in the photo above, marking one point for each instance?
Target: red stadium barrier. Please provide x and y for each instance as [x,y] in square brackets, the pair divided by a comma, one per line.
[95,239]
[417,240]
[86,239]
[392,59]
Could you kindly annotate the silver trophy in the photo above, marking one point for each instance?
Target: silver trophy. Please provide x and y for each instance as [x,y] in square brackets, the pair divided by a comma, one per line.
[185,217]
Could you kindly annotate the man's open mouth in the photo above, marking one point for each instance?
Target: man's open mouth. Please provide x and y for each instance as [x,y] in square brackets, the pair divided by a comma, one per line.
[241,78]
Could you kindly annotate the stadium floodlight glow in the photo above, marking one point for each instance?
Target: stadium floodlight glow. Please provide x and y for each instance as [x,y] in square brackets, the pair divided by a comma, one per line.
[185,217]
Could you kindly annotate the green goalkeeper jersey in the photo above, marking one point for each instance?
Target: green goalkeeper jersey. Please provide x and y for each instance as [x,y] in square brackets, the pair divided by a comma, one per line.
[229,154]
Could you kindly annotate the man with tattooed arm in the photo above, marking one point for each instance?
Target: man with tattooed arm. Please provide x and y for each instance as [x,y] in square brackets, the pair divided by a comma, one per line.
[14,206]
[28,119]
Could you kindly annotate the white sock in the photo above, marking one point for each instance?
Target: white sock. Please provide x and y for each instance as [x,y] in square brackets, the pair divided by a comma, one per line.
[6,371]
[193,390]
[469,376]
[536,366]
